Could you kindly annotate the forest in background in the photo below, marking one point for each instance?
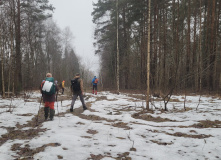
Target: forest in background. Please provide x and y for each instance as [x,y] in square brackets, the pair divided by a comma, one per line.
[185,44]
[32,44]
[185,41]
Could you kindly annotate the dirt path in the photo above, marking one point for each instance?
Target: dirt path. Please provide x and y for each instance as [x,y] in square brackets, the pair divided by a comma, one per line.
[35,128]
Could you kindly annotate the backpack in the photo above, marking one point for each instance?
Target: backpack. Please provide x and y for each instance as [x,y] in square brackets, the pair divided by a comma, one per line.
[96,80]
[75,85]
[48,86]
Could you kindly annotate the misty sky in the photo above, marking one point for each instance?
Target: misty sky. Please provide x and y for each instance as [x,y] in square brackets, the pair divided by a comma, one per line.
[76,14]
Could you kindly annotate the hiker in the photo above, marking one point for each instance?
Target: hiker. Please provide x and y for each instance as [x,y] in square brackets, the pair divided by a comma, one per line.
[62,86]
[49,88]
[94,82]
[78,90]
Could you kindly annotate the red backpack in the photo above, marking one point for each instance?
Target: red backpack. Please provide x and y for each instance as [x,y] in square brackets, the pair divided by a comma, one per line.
[96,80]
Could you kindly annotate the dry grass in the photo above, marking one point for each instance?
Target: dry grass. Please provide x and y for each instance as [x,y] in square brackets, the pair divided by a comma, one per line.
[179,134]
[27,153]
[147,117]
[90,131]
[208,124]
[161,143]
[121,125]
[78,112]
[25,134]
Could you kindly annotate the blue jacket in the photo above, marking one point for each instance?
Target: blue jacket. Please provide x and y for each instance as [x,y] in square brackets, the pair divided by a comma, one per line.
[93,80]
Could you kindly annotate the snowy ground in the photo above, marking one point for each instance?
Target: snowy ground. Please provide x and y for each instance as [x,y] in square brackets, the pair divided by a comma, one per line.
[114,127]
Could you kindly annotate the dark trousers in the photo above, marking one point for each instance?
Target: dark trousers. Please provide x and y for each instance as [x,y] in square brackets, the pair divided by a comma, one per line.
[94,89]
[74,99]
[62,90]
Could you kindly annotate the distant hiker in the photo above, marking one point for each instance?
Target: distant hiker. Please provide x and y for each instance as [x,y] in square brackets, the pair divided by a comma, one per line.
[49,88]
[78,90]
[94,82]
[62,86]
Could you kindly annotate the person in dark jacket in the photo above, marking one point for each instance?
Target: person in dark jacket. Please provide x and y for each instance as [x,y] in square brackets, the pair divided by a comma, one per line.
[48,98]
[77,90]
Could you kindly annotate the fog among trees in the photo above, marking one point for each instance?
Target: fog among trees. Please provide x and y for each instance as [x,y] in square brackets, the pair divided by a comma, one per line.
[185,45]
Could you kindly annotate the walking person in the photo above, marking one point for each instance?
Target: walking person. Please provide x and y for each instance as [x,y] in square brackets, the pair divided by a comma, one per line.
[95,81]
[78,90]
[62,86]
[49,89]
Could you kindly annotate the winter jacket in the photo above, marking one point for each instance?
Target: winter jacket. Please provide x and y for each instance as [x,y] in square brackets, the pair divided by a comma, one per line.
[49,98]
[94,80]
[81,86]
[63,84]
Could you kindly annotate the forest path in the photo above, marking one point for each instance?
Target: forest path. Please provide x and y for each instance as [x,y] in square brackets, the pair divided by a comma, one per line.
[113,121]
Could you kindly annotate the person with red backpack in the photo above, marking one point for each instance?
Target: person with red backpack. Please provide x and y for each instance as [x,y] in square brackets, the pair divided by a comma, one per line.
[77,90]
[95,81]
[48,90]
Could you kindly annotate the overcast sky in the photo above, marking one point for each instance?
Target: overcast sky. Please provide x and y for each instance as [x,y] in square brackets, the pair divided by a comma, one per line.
[76,14]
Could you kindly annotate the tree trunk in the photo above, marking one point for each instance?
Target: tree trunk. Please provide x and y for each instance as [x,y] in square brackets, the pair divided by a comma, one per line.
[148,59]
[188,49]
[18,49]
[2,64]
[200,51]
[118,85]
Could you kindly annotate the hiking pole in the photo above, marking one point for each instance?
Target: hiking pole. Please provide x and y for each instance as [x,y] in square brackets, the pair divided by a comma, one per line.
[57,102]
[57,107]
[38,112]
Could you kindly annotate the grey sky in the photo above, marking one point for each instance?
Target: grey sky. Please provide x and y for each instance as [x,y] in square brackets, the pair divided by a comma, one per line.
[76,14]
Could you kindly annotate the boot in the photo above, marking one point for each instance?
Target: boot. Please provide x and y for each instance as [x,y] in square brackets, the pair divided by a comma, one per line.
[71,109]
[84,107]
[95,92]
[92,91]
[46,110]
[52,111]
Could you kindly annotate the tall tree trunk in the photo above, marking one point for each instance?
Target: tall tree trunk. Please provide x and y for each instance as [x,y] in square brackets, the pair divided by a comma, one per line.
[194,51]
[125,54]
[11,59]
[188,48]
[218,52]
[118,85]
[2,63]
[155,45]
[164,66]
[177,42]
[18,49]
[213,46]
[148,58]
[200,51]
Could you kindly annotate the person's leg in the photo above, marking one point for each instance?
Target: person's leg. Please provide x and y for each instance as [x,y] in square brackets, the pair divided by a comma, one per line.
[95,89]
[82,101]
[46,110]
[52,111]
[62,90]
[73,101]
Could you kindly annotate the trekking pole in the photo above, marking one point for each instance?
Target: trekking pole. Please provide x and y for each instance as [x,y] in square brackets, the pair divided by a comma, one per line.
[57,107]
[38,112]
[57,102]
